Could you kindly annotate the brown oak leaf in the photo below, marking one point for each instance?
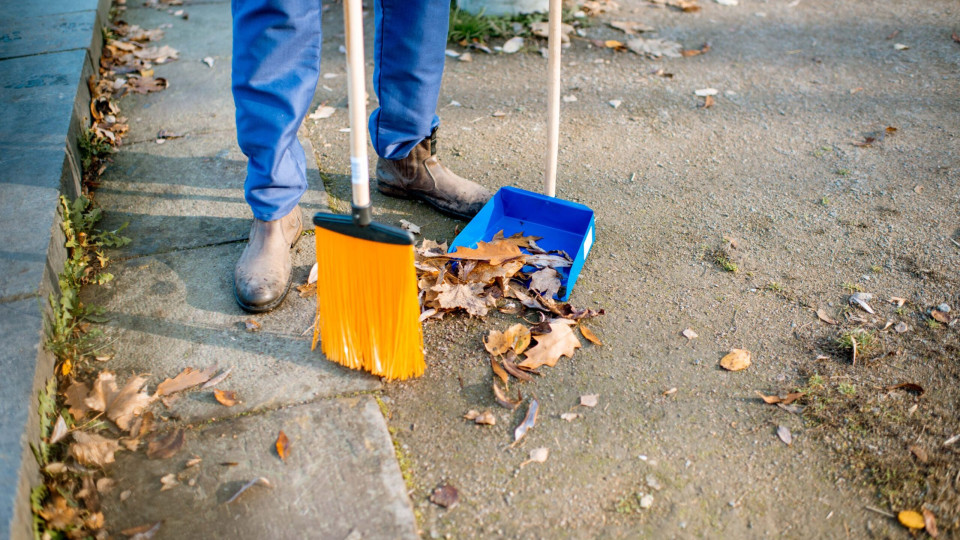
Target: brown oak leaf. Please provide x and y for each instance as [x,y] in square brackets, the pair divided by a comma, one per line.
[463,296]
[493,252]
[561,341]
[546,282]
[120,405]
[93,450]
[188,378]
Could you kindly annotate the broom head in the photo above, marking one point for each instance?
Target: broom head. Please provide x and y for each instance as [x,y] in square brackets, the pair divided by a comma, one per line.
[368,313]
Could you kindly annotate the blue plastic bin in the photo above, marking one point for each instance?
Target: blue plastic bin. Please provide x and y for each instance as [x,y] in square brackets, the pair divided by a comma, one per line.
[562,225]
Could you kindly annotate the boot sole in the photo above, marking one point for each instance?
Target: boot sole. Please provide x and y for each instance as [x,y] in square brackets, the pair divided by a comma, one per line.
[398,193]
[276,303]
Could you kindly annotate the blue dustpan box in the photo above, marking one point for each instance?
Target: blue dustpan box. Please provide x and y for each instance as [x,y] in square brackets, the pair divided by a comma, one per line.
[563,225]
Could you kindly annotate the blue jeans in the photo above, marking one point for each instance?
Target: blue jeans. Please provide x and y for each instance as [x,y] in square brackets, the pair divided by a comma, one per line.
[276,64]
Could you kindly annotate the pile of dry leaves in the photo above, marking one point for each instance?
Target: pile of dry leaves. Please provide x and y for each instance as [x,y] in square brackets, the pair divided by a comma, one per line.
[515,276]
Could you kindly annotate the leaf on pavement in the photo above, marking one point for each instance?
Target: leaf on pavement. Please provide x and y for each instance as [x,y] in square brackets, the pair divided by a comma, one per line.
[76,394]
[631,27]
[142,532]
[537,455]
[485,418]
[529,421]
[188,378]
[509,364]
[655,47]
[542,29]
[907,386]
[168,481]
[59,430]
[493,252]
[255,482]
[463,296]
[589,335]
[825,317]
[786,400]
[93,450]
[502,398]
[58,514]
[227,398]
[145,85]
[445,495]
[119,405]
[784,433]
[166,446]
[589,400]
[736,360]
[569,416]
[561,341]
[499,371]
[930,520]
[283,446]
[218,379]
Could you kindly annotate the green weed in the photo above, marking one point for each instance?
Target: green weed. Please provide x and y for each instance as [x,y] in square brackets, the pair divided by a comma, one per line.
[847,389]
[92,148]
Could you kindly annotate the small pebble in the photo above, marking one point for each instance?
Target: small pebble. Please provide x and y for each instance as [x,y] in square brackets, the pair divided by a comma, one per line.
[944,308]
[901,327]
[653,483]
[646,501]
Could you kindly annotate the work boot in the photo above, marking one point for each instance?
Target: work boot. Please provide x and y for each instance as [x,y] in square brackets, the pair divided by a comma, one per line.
[262,277]
[420,175]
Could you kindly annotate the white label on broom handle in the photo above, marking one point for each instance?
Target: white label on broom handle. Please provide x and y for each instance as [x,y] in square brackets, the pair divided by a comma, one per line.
[359,173]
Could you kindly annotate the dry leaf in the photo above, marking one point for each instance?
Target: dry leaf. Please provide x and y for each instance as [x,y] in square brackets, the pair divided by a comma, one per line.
[537,455]
[166,446]
[146,85]
[323,111]
[486,418]
[493,252]
[255,482]
[569,416]
[168,481]
[513,45]
[227,398]
[930,520]
[143,532]
[93,450]
[445,495]
[784,433]
[655,47]
[919,452]
[283,446]
[707,102]
[825,317]
[911,519]
[630,27]
[502,398]
[542,29]
[545,260]
[193,462]
[76,395]
[471,415]
[706,92]
[908,386]
[56,467]
[251,325]
[940,316]
[736,360]
[463,296]
[499,371]
[704,49]
[529,421]
[615,45]
[187,378]
[589,335]
[510,365]
[690,334]
[545,282]
[59,430]
[861,299]
[589,400]
[58,514]
[122,405]
[218,379]
[670,391]
[561,341]
[786,400]
[487,273]
[413,228]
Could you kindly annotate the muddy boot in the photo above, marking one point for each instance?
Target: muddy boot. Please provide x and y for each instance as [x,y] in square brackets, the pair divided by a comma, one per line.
[420,175]
[262,277]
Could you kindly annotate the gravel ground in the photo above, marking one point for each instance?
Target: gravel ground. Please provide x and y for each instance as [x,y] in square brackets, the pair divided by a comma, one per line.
[771,166]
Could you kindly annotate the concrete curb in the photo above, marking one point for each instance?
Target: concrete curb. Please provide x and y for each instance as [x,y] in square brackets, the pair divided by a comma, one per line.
[48,50]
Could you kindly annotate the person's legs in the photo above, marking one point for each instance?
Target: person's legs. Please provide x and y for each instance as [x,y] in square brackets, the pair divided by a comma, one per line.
[276,64]
[409,52]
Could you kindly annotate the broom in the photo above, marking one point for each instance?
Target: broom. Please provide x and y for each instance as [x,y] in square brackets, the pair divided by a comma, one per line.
[368,313]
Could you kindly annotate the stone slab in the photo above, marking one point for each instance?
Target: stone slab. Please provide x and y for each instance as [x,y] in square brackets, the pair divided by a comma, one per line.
[177,310]
[339,479]
[185,193]
[24,36]
[25,366]
[24,253]
[10,9]
[199,99]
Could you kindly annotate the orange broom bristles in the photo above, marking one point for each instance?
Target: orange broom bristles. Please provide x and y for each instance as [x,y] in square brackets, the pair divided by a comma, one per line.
[368,314]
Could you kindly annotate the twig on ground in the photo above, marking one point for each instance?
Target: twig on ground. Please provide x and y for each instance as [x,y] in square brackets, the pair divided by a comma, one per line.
[881,512]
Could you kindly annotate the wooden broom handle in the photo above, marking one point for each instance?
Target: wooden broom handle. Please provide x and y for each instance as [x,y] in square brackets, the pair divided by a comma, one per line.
[553,98]
[356,92]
